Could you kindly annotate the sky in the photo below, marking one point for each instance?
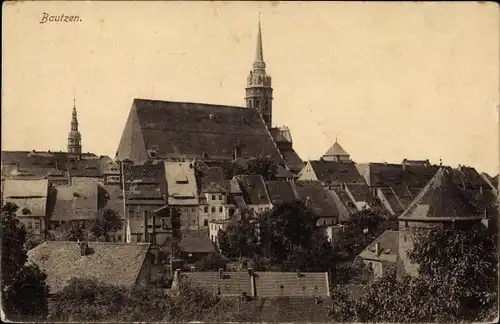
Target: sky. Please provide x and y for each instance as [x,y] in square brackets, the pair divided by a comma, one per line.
[390,80]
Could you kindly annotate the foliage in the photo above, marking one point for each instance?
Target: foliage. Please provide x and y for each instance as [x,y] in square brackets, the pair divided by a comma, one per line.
[211,262]
[106,224]
[287,227]
[24,290]
[32,242]
[262,166]
[193,303]
[456,282]
[240,238]
[360,230]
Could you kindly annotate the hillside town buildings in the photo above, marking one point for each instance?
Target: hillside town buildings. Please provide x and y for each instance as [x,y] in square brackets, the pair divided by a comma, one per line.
[170,163]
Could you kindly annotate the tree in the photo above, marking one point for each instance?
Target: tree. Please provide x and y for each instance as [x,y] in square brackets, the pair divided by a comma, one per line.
[284,227]
[75,233]
[24,288]
[107,223]
[361,229]
[456,282]
[241,237]
[262,166]
[223,241]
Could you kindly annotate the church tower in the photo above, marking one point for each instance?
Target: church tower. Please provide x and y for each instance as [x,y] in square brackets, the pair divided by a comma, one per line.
[259,93]
[74,136]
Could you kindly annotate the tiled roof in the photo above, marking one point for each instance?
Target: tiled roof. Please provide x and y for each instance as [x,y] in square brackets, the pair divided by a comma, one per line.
[281,173]
[292,159]
[288,310]
[317,198]
[289,284]
[193,130]
[196,242]
[40,164]
[231,283]
[28,195]
[392,200]
[441,198]
[280,192]
[181,183]
[403,194]
[413,176]
[389,247]
[254,189]
[213,187]
[76,201]
[232,186]
[468,177]
[336,149]
[111,197]
[212,175]
[113,263]
[360,192]
[336,173]
[346,200]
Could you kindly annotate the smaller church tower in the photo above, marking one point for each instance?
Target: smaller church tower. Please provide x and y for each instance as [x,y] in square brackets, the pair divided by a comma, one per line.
[74,136]
[259,93]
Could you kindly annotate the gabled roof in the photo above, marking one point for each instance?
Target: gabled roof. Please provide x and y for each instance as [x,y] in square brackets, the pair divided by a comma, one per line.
[290,284]
[181,183]
[196,242]
[281,192]
[388,175]
[232,284]
[111,197]
[441,198]
[253,189]
[41,164]
[213,187]
[292,159]
[79,200]
[335,173]
[314,194]
[282,173]
[113,263]
[29,195]
[193,130]
[389,248]
[335,150]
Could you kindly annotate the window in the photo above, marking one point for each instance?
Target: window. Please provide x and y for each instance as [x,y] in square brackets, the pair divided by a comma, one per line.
[220,197]
[213,197]
[220,209]
[193,210]
[37,225]
[139,238]
[30,225]
[205,209]
[119,238]
[257,103]
[131,211]
[213,209]
[82,224]
[205,222]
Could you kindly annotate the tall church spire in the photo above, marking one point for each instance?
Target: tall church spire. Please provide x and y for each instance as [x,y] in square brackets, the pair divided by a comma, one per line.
[259,54]
[74,136]
[259,93]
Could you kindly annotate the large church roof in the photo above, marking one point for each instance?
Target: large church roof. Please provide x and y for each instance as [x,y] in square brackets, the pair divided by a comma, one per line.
[168,129]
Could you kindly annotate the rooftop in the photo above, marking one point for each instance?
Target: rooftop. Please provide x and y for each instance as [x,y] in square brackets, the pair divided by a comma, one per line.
[113,263]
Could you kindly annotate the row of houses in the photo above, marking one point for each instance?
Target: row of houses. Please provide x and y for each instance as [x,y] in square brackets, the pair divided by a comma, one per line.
[334,187]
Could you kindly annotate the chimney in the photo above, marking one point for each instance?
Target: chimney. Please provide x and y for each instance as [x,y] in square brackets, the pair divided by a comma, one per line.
[377,249]
[84,247]
[220,273]
[250,272]
[404,163]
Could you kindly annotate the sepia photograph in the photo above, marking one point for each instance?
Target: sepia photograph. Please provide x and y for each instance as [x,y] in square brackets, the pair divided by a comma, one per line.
[250,161]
